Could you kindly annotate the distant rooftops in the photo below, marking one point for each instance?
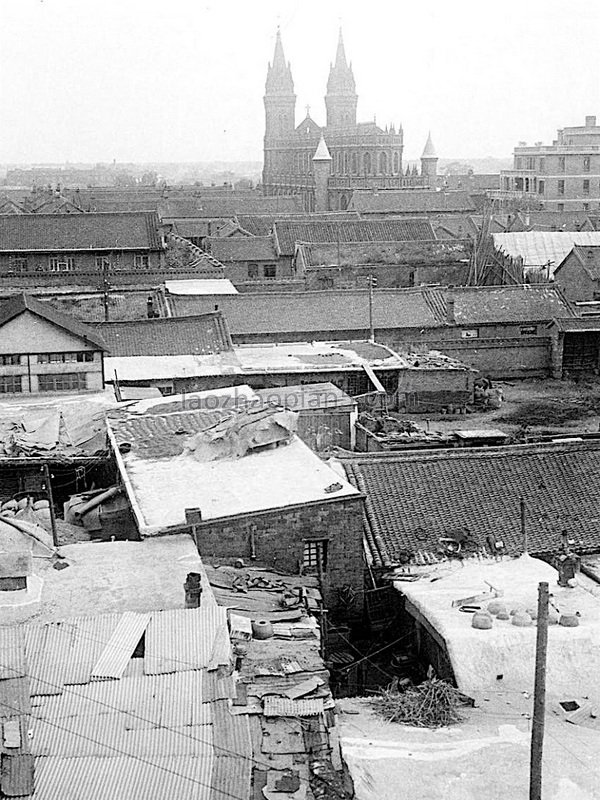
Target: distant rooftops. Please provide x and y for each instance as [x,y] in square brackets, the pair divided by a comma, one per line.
[410,201]
[75,232]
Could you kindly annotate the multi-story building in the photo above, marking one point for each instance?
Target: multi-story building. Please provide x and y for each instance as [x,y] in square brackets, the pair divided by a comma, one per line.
[323,165]
[563,176]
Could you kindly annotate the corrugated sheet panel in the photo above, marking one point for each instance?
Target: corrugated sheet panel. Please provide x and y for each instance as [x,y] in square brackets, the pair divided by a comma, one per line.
[233,753]
[107,736]
[116,654]
[179,778]
[144,702]
[217,688]
[185,639]
[231,777]
[14,698]
[12,652]
[65,652]
[16,779]
[231,733]
[284,707]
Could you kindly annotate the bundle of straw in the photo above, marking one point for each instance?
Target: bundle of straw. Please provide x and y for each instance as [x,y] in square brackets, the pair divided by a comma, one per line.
[432,704]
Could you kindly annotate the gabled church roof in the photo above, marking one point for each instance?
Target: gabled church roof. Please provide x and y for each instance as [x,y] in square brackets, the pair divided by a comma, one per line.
[322,151]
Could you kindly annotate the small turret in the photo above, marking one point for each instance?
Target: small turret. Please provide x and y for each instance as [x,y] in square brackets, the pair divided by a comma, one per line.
[429,161]
[321,171]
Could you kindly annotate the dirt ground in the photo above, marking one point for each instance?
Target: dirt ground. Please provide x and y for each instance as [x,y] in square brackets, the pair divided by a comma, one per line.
[535,406]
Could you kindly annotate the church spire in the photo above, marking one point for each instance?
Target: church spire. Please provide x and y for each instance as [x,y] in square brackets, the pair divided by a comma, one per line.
[279,74]
[341,98]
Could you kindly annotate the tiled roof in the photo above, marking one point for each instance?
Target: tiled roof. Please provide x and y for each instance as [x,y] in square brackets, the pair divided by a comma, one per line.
[410,201]
[200,335]
[348,310]
[414,500]
[11,307]
[552,220]
[262,224]
[228,206]
[411,252]
[398,230]
[241,248]
[60,232]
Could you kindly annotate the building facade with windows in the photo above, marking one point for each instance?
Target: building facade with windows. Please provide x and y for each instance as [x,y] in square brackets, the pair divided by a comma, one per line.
[563,176]
[58,249]
[43,351]
[351,154]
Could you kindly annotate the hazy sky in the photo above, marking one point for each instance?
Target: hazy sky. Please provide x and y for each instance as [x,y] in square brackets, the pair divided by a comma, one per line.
[183,80]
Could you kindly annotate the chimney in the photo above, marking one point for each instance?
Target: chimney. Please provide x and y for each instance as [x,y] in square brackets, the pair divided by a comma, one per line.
[450,318]
[193,516]
[590,122]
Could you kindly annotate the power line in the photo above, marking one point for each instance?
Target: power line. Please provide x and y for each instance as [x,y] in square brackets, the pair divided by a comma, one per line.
[130,755]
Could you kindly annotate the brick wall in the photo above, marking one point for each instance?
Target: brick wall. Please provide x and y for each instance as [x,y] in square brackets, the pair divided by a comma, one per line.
[574,280]
[279,537]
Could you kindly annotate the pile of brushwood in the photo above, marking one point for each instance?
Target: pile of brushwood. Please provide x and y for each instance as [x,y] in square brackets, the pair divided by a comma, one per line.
[432,704]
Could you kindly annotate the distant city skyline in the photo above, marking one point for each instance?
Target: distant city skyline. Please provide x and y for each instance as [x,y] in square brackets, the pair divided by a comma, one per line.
[142,81]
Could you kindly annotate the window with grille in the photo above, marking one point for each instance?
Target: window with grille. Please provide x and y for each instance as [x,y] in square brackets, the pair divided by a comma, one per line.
[102,262]
[68,381]
[80,357]
[18,264]
[253,271]
[61,264]
[10,384]
[141,261]
[10,360]
[315,556]
[270,271]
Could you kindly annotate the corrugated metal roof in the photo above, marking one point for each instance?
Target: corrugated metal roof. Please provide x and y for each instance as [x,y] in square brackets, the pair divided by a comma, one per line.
[184,639]
[284,707]
[543,248]
[118,651]
[180,777]
[12,653]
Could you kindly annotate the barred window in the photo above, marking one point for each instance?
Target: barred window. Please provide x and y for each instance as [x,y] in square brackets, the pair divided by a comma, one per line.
[141,261]
[68,381]
[315,556]
[10,360]
[18,264]
[61,263]
[10,384]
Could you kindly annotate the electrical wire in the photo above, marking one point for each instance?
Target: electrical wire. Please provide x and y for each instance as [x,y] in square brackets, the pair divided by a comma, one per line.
[130,755]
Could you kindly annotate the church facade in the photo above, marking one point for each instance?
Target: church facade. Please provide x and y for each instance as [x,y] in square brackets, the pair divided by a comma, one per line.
[323,165]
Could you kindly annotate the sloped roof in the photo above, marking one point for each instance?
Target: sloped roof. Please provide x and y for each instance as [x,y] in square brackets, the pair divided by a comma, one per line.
[429,149]
[229,206]
[543,248]
[322,153]
[410,201]
[59,232]
[241,248]
[171,336]
[11,307]
[289,232]
[588,257]
[322,312]
[262,224]
[414,500]
[409,252]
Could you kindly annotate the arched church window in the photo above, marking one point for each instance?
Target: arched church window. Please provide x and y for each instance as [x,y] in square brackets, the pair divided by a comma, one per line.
[354,163]
[367,163]
[346,163]
[396,163]
[383,163]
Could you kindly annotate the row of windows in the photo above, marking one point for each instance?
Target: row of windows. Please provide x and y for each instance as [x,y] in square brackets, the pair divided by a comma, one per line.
[69,381]
[531,162]
[269,271]
[21,264]
[81,356]
[353,163]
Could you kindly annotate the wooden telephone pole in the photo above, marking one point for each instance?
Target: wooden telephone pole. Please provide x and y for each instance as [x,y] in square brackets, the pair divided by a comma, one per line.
[539,695]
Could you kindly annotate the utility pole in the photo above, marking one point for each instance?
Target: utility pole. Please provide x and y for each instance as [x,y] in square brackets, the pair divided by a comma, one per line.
[524,525]
[539,695]
[48,488]
[371,326]
[105,288]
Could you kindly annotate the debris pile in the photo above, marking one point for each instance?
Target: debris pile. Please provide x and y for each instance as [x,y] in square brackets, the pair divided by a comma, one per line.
[432,704]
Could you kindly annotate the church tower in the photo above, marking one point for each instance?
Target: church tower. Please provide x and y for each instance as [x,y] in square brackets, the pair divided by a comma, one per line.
[280,100]
[429,161]
[341,97]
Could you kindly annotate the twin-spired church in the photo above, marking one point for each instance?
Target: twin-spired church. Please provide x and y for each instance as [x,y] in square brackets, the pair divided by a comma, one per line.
[324,165]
